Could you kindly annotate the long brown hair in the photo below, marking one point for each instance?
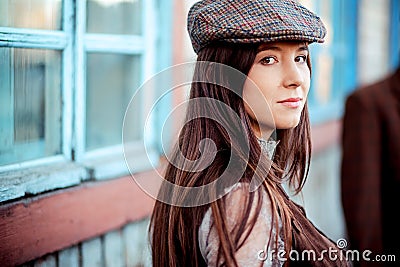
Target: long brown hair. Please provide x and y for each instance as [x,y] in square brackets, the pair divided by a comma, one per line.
[174,229]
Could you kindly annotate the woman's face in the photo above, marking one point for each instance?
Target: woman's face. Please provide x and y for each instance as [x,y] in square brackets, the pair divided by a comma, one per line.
[280,77]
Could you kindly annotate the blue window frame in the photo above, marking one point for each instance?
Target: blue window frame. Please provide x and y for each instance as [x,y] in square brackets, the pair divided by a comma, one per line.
[395,34]
[68,70]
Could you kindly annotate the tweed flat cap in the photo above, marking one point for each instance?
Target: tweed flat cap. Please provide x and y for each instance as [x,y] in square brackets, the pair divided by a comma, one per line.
[252,21]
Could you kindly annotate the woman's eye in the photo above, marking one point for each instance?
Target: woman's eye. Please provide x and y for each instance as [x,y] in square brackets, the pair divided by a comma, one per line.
[268,60]
[301,59]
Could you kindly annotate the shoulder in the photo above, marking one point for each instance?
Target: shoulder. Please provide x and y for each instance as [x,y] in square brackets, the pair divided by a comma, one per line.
[379,92]
[240,191]
[240,198]
[236,205]
[255,235]
[236,196]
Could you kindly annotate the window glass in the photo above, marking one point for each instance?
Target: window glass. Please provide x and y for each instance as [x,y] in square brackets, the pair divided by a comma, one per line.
[112,80]
[114,16]
[30,104]
[36,14]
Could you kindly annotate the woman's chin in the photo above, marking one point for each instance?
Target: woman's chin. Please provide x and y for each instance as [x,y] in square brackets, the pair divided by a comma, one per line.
[287,124]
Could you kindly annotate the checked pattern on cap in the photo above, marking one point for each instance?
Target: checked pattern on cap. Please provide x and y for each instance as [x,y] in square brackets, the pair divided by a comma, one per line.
[252,21]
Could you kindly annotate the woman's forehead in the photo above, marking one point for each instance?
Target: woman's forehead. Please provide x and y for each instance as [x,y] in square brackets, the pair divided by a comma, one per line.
[280,45]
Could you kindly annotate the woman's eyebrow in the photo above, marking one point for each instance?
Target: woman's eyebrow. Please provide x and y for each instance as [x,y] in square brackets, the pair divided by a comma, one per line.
[268,47]
[265,47]
[303,48]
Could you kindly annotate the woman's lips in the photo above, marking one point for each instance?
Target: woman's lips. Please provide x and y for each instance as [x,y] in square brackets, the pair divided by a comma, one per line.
[291,102]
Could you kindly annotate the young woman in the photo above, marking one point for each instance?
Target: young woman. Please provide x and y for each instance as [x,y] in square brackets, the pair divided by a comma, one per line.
[243,224]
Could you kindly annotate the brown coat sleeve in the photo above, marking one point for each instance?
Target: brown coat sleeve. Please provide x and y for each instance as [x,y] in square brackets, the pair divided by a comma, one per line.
[361,174]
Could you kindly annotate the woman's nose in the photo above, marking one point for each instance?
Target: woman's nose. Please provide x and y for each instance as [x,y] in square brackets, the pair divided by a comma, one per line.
[293,76]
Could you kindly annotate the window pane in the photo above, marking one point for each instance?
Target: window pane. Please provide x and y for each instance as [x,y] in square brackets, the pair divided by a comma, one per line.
[111,81]
[114,16]
[37,14]
[30,104]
